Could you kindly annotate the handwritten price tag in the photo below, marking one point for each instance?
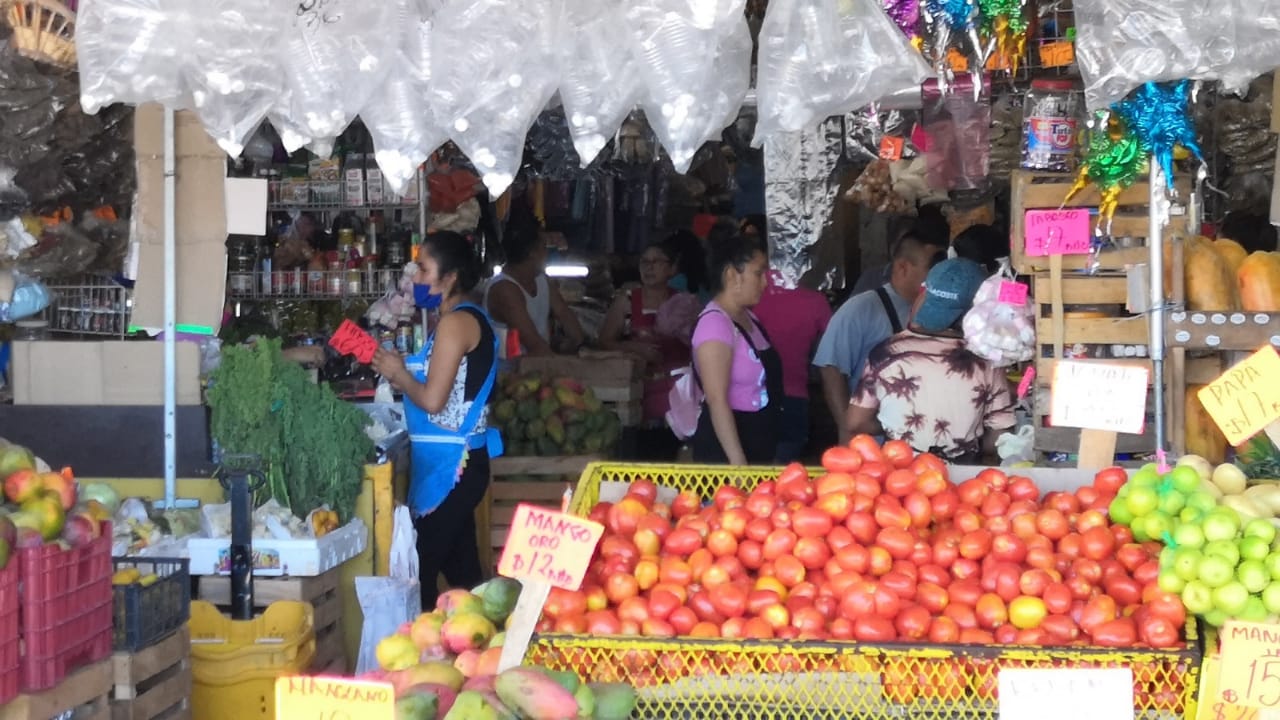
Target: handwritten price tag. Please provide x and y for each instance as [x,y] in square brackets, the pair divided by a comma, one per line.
[1012,293]
[1250,674]
[891,147]
[1211,706]
[331,698]
[1246,398]
[549,546]
[1057,54]
[1099,396]
[349,339]
[1061,694]
[1057,232]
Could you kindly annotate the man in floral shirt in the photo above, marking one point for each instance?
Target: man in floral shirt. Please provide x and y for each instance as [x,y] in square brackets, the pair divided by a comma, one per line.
[923,385]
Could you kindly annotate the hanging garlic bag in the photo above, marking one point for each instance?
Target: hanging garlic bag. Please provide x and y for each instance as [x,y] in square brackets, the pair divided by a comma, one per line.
[999,328]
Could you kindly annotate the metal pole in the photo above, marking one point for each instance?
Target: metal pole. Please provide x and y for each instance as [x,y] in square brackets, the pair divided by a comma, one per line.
[170,316]
[1157,212]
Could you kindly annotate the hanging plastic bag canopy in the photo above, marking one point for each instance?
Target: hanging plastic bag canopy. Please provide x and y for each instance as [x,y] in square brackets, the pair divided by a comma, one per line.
[231,70]
[822,57]
[691,60]
[494,69]
[132,51]
[334,55]
[600,83]
[403,125]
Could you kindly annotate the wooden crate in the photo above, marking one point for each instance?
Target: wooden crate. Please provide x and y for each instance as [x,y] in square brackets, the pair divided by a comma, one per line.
[1046,191]
[513,480]
[154,683]
[321,591]
[87,689]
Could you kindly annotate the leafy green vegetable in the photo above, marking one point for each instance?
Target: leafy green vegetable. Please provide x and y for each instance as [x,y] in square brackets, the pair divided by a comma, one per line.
[1259,458]
[313,444]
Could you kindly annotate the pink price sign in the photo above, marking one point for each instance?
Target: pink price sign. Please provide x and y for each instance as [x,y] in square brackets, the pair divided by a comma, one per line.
[1012,293]
[1057,232]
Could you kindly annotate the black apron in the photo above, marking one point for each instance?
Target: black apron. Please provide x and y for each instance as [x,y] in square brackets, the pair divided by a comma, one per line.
[757,431]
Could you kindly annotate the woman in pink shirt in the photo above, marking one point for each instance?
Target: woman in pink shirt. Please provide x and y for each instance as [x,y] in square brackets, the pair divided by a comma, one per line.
[739,370]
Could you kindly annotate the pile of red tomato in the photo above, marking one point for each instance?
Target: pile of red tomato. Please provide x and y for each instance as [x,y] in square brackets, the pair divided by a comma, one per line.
[882,547]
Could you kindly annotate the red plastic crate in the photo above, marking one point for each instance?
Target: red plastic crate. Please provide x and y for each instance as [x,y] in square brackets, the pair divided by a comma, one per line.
[10,643]
[66,610]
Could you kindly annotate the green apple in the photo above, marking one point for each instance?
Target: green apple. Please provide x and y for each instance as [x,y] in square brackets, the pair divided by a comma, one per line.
[1147,476]
[1202,501]
[1142,501]
[1273,564]
[1228,550]
[1172,502]
[1119,513]
[1197,597]
[1221,523]
[1254,548]
[1170,582]
[1271,598]
[1231,598]
[1254,610]
[1215,617]
[1188,536]
[1253,575]
[1185,479]
[1190,515]
[1156,525]
[1215,572]
[1186,563]
[1260,528]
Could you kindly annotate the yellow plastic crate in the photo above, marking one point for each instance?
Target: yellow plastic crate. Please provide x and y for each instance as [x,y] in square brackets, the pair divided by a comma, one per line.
[747,679]
[235,663]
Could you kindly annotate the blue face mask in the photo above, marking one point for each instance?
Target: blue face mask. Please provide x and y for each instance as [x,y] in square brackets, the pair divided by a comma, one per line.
[423,298]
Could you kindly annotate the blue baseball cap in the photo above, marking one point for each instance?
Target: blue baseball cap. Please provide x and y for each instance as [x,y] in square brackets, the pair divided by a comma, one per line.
[948,293]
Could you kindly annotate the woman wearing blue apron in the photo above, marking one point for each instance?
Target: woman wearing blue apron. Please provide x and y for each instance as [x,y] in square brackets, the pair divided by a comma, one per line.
[446,389]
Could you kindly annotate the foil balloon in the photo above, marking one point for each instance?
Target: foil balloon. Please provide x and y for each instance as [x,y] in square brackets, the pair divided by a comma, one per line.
[946,20]
[1115,159]
[906,15]
[1156,113]
[1004,23]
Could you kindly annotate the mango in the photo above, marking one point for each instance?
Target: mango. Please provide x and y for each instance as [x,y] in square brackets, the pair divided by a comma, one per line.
[417,707]
[22,485]
[471,705]
[466,631]
[564,678]
[14,458]
[614,701]
[425,630]
[126,576]
[500,708]
[586,701]
[442,695]
[498,640]
[535,696]
[48,512]
[487,663]
[499,597]
[467,662]
[64,486]
[481,683]
[396,652]
[436,672]
[452,602]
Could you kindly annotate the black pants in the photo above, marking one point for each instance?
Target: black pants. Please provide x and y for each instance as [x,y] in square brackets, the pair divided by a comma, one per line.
[757,433]
[447,536]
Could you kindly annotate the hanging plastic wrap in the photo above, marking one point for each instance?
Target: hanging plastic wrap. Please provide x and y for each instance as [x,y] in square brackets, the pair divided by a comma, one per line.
[695,62]
[334,55]
[600,81]
[999,328]
[405,128]
[132,51]
[29,297]
[800,192]
[958,126]
[1120,44]
[819,58]
[1242,132]
[1257,43]
[230,68]
[494,69]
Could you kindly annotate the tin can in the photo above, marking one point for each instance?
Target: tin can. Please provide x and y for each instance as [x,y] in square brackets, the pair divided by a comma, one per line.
[387,339]
[404,338]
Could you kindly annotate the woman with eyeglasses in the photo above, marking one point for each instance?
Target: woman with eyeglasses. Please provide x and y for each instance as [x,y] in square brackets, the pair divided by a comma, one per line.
[655,322]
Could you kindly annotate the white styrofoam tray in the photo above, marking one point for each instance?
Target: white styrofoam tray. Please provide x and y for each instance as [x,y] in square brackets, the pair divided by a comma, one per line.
[305,558]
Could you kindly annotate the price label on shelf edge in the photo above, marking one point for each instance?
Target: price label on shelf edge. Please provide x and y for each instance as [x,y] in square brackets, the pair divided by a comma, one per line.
[1250,674]
[549,546]
[1246,398]
[1065,693]
[1099,396]
[333,698]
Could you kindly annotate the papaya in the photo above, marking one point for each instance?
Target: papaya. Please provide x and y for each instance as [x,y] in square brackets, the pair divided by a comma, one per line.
[1258,279]
[614,701]
[1207,278]
[1203,436]
[533,695]
[1231,252]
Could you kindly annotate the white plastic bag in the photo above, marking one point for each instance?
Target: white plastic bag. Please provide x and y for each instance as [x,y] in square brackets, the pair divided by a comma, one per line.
[600,81]
[997,331]
[389,602]
[130,51]
[827,57]
[1017,448]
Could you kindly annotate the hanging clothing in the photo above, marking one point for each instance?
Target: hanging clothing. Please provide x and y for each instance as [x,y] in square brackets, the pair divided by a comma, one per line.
[758,426]
[537,305]
[450,453]
[643,325]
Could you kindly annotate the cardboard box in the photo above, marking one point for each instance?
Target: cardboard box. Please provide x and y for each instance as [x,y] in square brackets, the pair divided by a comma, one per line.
[353,180]
[200,217]
[118,372]
[375,191]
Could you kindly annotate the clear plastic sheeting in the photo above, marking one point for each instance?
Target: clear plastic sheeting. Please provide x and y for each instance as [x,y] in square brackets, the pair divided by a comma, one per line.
[229,68]
[823,57]
[800,193]
[1257,43]
[1120,44]
[404,128]
[494,69]
[694,58]
[600,83]
[334,55]
[131,51]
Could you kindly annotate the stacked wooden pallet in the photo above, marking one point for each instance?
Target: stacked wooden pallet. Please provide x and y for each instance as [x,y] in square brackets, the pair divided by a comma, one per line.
[537,480]
[1082,301]
[320,591]
[616,379]
[85,691]
[153,683]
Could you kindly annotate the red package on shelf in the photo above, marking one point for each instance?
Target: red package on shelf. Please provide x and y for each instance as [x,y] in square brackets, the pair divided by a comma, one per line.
[349,339]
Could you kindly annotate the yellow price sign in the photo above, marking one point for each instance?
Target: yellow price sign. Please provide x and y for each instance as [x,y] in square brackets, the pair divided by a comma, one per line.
[1211,706]
[1250,674]
[1057,54]
[1246,398]
[331,698]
